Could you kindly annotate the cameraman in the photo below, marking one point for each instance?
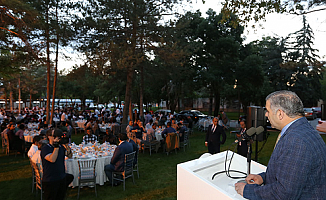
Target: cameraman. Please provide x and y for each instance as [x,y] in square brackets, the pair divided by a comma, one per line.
[55,181]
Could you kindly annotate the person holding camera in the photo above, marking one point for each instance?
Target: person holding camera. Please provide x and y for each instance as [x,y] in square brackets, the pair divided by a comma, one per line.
[55,181]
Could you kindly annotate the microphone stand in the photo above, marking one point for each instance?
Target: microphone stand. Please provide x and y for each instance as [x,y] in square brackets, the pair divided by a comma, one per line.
[248,157]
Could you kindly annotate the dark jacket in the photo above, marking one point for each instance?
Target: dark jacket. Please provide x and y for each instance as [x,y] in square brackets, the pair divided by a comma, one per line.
[119,155]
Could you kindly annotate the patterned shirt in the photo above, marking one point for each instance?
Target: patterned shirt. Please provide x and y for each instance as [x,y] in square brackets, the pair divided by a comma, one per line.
[89,138]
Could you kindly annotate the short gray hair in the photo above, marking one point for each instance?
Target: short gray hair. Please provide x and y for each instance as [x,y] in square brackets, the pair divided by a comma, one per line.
[287,101]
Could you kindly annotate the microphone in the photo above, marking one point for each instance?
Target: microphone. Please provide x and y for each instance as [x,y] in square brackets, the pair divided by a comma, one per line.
[250,132]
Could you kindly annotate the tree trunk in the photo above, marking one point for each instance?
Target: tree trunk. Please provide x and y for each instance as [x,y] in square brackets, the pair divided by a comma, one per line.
[30,100]
[130,110]
[6,101]
[55,77]
[47,35]
[217,102]
[19,96]
[83,103]
[127,95]
[210,109]
[141,95]
[10,98]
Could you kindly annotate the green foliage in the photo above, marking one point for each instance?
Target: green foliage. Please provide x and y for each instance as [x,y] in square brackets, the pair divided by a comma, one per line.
[248,10]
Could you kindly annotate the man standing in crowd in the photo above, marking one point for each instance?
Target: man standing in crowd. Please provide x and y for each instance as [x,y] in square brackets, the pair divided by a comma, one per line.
[55,181]
[213,137]
[297,166]
[117,160]
[242,142]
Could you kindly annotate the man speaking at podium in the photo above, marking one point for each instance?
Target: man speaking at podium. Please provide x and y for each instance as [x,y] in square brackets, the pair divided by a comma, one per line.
[297,166]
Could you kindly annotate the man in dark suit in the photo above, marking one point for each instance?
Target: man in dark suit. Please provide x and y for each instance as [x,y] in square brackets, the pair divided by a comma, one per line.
[297,166]
[117,161]
[242,142]
[213,137]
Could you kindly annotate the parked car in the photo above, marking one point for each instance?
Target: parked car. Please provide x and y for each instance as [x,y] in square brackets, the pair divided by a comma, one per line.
[318,111]
[310,113]
[165,112]
[194,114]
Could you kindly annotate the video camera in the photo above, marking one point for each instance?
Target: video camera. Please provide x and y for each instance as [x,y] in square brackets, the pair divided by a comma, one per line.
[63,138]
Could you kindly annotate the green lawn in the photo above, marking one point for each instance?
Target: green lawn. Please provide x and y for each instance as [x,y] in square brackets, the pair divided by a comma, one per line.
[157,173]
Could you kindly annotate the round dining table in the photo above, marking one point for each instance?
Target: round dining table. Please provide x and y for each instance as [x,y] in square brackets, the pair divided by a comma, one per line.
[101,152]
[29,135]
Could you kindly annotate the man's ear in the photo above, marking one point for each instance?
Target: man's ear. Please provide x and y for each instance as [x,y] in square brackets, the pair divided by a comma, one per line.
[280,114]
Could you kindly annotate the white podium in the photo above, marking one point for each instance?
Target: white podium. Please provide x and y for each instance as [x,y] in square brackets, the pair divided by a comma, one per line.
[194,178]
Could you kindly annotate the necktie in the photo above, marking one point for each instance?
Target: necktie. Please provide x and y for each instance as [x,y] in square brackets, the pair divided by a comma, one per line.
[213,128]
[278,138]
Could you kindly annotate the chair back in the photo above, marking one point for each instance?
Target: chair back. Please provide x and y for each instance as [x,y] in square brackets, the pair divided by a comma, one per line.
[115,129]
[6,142]
[129,162]
[171,141]
[86,170]
[185,137]
[38,175]
[123,128]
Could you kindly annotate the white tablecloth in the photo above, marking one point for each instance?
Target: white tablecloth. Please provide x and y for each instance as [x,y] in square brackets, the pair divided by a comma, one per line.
[32,126]
[29,135]
[205,123]
[103,127]
[72,168]
[158,135]
[102,152]
[81,123]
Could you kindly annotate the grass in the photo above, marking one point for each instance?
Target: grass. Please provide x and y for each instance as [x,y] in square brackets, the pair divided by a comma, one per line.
[158,174]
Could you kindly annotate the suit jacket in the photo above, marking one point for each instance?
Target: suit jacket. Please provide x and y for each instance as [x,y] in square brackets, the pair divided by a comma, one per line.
[297,167]
[119,155]
[214,137]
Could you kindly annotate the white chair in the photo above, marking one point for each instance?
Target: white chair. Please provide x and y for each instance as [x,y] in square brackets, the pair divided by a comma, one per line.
[87,174]
[38,177]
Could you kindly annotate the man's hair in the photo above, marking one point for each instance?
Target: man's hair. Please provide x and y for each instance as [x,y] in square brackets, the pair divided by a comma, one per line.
[287,101]
[168,124]
[21,126]
[36,139]
[54,132]
[123,136]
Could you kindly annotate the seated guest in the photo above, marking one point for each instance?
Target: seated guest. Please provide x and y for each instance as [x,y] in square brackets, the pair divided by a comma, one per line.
[15,143]
[109,137]
[117,161]
[89,137]
[34,146]
[181,131]
[69,130]
[20,132]
[167,130]
[138,129]
[40,124]
[89,124]
[150,135]
[174,124]
[130,126]
[36,158]
[149,124]
[96,128]
[45,128]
